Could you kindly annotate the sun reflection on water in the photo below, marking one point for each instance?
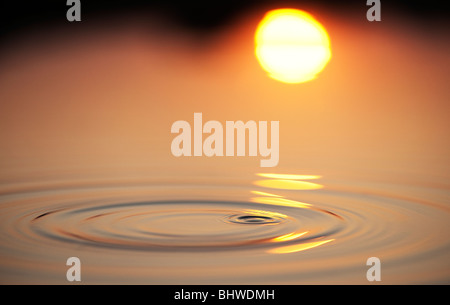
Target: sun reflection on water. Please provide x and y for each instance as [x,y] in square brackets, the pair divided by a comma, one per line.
[288,176]
[280,202]
[288,182]
[299,247]
[289,236]
[285,184]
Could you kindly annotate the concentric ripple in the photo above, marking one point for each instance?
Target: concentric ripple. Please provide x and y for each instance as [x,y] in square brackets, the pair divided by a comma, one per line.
[168,234]
[179,225]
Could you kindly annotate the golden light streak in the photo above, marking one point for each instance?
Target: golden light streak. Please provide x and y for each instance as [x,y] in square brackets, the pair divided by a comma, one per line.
[265,194]
[289,236]
[288,184]
[266,213]
[280,201]
[289,176]
[291,46]
[299,247]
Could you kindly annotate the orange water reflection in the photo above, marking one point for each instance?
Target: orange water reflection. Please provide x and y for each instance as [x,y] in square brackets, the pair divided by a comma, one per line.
[280,201]
[266,213]
[287,182]
[265,194]
[284,184]
[290,236]
[299,247]
[288,176]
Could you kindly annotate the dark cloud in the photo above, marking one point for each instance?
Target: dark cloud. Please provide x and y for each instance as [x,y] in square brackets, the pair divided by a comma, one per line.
[199,16]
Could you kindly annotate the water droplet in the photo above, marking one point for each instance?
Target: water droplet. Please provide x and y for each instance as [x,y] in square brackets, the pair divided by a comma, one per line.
[254,219]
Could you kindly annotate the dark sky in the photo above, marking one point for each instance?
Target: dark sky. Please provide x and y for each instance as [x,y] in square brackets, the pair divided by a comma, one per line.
[18,17]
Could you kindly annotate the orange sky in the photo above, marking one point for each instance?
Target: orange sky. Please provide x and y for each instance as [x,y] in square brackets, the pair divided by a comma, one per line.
[107,98]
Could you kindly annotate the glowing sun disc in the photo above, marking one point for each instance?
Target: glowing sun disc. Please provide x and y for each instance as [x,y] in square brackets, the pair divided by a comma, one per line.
[291,46]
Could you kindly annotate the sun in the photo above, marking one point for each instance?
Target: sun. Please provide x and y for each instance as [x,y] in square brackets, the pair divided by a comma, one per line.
[291,46]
